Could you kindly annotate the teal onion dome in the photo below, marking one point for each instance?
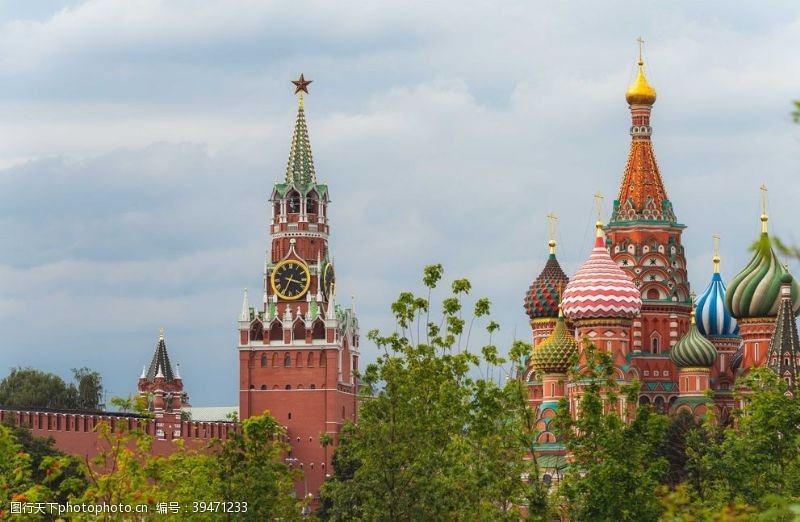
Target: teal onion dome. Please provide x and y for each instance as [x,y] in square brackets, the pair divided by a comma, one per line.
[543,296]
[693,350]
[554,354]
[755,292]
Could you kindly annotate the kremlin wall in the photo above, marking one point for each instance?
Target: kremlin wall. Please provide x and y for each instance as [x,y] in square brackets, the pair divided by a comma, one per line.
[298,349]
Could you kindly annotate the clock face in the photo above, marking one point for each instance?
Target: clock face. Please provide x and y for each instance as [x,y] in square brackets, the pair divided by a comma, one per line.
[328,280]
[290,279]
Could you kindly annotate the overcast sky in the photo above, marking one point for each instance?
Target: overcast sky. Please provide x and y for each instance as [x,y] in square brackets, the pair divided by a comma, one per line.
[139,142]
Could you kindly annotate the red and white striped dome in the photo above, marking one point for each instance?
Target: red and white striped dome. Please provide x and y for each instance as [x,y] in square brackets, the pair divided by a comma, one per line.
[600,288]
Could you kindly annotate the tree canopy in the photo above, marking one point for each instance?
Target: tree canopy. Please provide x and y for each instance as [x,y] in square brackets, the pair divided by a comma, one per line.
[31,388]
[434,441]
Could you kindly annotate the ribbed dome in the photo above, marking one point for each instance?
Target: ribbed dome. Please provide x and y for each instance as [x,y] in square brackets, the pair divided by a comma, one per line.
[693,350]
[541,299]
[755,292]
[600,288]
[712,317]
[553,355]
[640,92]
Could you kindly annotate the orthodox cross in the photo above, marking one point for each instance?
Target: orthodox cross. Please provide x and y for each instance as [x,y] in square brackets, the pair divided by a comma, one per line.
[598,202]
[641,43]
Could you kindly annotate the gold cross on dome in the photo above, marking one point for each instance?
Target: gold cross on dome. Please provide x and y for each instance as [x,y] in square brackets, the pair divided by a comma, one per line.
[598,201]
[764,199]
[551,217]
[715,237]
[641,44]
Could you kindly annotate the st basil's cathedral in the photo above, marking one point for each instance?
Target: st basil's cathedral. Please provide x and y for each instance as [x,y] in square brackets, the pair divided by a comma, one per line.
[631,298]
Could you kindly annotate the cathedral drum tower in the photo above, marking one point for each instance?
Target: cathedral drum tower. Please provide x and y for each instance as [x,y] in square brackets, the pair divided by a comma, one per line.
[298,351]
[644,238]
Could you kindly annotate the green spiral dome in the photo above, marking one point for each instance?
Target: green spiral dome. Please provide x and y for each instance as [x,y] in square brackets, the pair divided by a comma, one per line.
[693,350]
[555,353]
[755,292]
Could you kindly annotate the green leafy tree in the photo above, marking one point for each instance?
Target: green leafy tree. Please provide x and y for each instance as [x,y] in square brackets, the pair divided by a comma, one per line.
[616,466]
[31,478]
[434,442]
[31,388]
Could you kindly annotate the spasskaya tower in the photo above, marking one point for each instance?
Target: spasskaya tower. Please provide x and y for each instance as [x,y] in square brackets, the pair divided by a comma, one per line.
[298,350]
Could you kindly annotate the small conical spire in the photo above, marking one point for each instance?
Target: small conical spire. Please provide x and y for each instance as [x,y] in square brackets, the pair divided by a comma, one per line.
[300,168]
[716,258]
[764,216]
[331,312]
[178,371]
[245,315]
[144,372]
[160,365]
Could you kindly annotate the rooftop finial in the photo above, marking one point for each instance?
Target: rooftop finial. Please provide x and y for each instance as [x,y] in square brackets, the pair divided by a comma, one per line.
[640,92]
[551,217]
[598,202]
[161,334]
[764,216]
[641,44]
[300,87]
[715,259]
[693,297]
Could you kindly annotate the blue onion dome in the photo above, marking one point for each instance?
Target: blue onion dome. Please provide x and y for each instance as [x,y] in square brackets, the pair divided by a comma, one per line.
[554,354]
[713,319]
[693,350]
[755,292]
[544,294]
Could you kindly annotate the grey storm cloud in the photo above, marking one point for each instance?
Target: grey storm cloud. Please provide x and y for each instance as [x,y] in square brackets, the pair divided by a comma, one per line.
[139,142]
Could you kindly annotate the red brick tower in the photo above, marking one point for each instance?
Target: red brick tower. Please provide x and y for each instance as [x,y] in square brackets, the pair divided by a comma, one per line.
[298,352]
[644,235]
[164,387]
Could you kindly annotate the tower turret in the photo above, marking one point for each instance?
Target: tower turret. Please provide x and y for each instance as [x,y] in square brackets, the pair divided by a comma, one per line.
[298,354]
[753,297]
[694,355]
[784,348]
[543,296]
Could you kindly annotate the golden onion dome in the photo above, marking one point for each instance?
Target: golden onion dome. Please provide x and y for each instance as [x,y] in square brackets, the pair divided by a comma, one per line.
[640,92]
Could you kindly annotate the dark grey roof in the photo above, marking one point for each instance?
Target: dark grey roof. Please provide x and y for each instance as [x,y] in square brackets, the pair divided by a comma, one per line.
[160,361]
[784,346]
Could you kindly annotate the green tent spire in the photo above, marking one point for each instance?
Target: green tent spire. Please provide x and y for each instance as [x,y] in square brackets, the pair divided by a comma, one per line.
[300,169]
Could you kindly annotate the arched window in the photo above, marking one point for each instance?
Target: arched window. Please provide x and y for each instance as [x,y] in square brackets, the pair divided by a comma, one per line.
[322,358]
[310,361]
[318,330]
[293,202]
[299,331]
[276,332]
[343,412]
[263,360]
[252,387]
[312,386]
[274,360]
[287,360]
[263,386]
[311,204]
[652,293]
[288,387]
[298,361]
[256,331]
[654,344]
